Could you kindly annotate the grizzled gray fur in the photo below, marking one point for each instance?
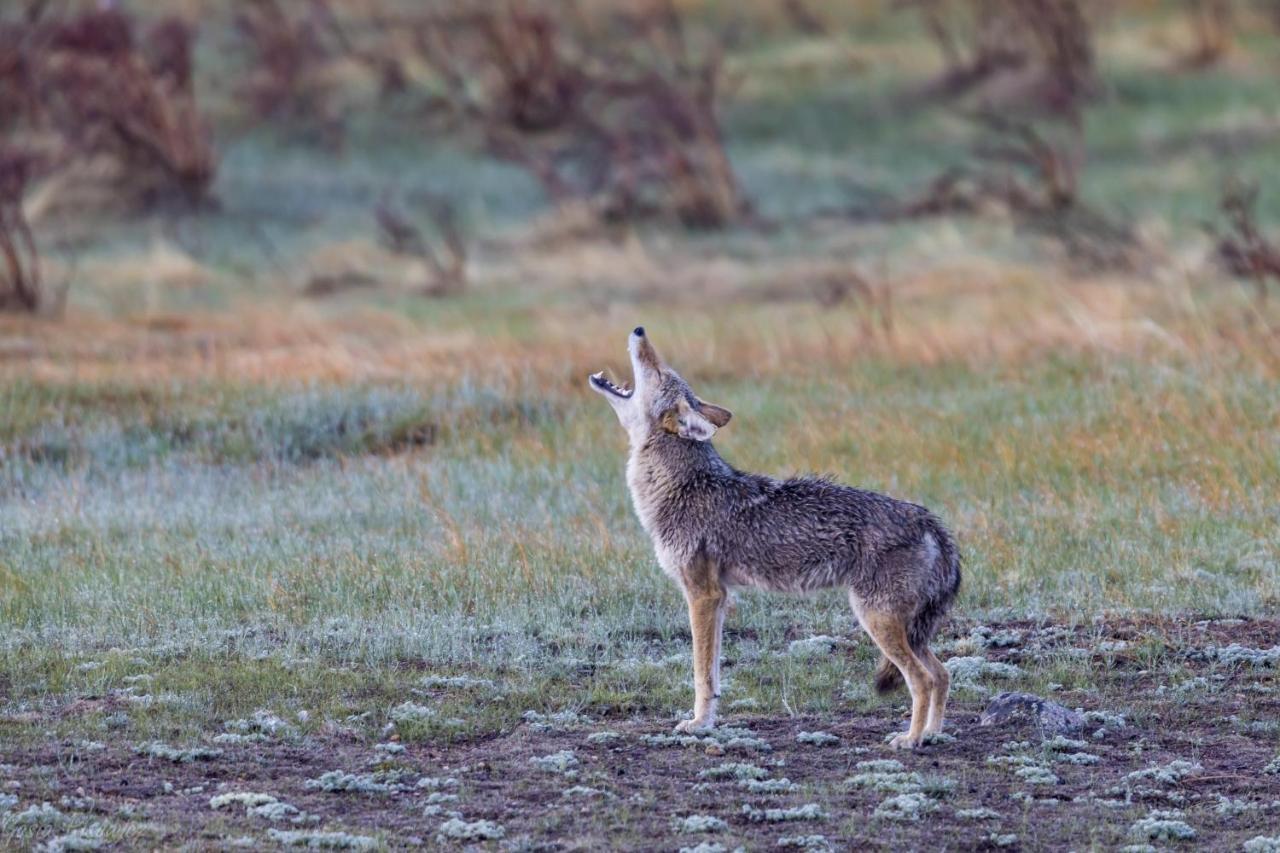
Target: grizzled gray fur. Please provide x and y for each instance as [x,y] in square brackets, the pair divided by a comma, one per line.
[715,528]
[794,535]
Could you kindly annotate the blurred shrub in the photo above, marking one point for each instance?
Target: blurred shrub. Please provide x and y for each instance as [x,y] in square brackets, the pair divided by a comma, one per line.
[1242,248]
[290,52]
[445,258]
[1213,27]
[92,88]
[982,39]
[614,108]
[21,287]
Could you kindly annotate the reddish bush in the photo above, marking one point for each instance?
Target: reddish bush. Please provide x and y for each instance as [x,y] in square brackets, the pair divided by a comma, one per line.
[980,39]
[977,39]
[20,282]
[106,33]
[89,88]
[168,47]
[1212,25]
[289,50]
[1242,248]
[121,108]
[624,116]
[446,258]
[21,42]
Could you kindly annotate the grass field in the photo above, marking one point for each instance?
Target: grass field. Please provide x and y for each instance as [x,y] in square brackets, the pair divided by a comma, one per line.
[371,557]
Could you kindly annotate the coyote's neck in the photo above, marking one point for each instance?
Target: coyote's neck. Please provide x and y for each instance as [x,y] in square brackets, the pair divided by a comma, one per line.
[672,480]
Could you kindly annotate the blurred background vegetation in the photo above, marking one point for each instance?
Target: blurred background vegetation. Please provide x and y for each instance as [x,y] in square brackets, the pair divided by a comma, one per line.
[300,297]
[198,156]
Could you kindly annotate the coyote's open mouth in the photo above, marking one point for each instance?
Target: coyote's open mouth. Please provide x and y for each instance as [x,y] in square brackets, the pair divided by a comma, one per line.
[599,380]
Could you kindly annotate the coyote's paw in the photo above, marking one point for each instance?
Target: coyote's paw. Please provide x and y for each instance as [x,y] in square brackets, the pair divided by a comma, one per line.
[696,725]
[904,741]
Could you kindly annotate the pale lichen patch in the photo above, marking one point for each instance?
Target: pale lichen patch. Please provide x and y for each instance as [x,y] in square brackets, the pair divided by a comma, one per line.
[1237,655]
[456,682]
[734,770]
[905,807]
[248,799]
[804,842]
[85,838]
[768,786]
[967,670]
[435,783]
[808,811]
[727,738]
[558,721]
[410,713]
[557,762]
[339,781]
[44,814]
[457,829]
[322,840]
[980,813]
[818,738]
[700,823]
[1036,775]
[816,646]
[707,847]
[1163,825]
[582,792]
[156,749]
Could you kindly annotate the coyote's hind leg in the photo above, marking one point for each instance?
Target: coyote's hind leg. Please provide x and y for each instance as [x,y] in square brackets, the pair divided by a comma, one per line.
[941,686]
[889,631]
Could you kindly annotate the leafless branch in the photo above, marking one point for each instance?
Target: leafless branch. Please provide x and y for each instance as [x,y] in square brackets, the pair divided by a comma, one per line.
[447,259]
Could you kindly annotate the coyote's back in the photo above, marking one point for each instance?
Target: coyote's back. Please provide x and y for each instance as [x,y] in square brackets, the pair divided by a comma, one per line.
[799,535]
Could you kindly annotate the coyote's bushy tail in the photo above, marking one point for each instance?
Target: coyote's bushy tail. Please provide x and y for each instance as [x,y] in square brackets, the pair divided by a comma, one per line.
[945,583]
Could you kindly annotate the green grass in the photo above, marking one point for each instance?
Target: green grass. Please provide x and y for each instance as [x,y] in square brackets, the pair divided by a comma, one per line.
[295,519]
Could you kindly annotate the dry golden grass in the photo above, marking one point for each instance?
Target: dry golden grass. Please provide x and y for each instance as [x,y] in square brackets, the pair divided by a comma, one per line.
[727,317]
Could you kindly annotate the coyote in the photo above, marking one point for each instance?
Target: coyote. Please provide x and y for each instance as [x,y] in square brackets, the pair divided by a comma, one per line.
[715,528]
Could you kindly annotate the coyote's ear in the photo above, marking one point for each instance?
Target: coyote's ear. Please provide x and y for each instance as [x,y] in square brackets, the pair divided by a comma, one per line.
[718,415]
[687,422]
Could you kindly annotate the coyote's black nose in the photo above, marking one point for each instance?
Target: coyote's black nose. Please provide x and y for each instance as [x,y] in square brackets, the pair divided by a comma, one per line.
[639,332]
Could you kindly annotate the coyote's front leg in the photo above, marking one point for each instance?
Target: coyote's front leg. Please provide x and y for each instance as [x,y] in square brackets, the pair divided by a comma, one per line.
[707,602]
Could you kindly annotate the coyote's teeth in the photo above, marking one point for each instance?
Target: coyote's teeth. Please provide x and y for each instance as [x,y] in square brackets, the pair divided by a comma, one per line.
[603,382]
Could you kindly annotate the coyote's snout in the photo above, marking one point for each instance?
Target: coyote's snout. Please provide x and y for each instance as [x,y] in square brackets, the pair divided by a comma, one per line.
[715,528]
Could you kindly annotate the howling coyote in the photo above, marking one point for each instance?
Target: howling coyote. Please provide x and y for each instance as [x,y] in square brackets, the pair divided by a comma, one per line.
[715,528]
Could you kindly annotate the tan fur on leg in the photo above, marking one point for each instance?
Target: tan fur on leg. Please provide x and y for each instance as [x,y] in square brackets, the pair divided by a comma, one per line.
[721,611]
[941,686]
[707,599]
[889,631]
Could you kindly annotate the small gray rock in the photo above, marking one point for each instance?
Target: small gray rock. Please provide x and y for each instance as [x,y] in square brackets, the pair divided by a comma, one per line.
[1048,716]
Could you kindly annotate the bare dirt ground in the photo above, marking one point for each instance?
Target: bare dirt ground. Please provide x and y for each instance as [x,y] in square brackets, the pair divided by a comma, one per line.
[1193,762]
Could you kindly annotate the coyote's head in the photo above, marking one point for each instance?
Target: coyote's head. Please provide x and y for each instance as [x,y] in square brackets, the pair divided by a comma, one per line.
[661,400]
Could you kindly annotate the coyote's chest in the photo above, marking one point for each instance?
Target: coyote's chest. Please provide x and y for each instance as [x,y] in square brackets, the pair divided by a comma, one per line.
[675,539]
